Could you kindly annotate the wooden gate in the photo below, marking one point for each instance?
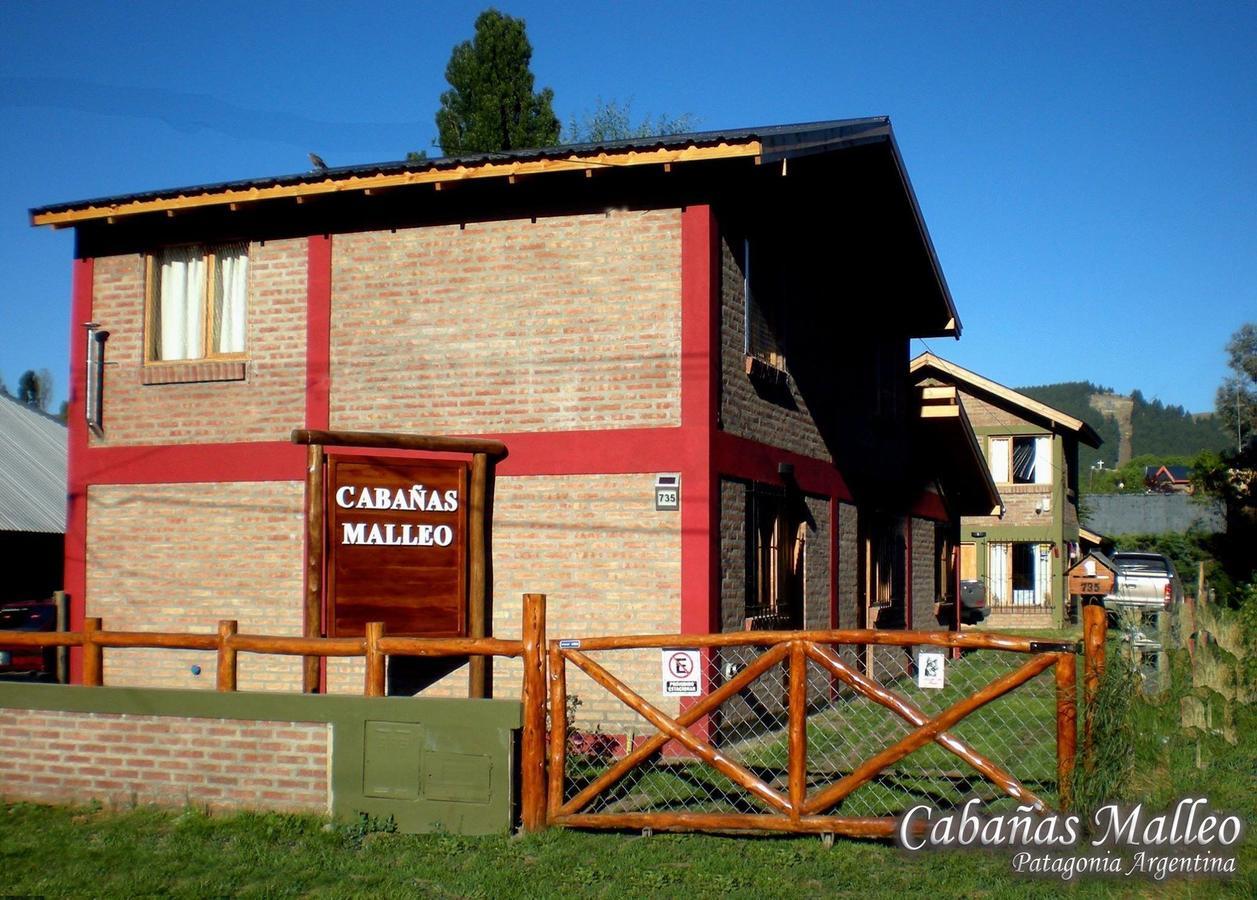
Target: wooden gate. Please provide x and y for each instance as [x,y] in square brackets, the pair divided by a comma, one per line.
[783,798]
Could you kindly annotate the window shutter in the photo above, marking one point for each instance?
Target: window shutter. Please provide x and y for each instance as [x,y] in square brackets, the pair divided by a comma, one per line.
[999,460]
[1043,469]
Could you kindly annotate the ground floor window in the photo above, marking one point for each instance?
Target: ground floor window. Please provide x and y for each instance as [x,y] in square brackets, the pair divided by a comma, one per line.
[883,570]
[1019,573]
[777,547]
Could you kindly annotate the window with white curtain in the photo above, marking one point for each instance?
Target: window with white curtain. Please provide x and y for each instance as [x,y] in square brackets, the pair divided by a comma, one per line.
[198,302]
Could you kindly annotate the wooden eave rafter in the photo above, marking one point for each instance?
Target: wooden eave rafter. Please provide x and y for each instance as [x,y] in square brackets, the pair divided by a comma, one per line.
[371,183]
[942,401]
[993,388]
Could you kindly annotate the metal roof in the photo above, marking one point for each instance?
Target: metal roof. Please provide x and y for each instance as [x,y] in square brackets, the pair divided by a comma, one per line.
[32,469]
[778,142]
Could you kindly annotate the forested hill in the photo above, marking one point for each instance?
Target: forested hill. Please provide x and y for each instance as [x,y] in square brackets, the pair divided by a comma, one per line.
[1132,426]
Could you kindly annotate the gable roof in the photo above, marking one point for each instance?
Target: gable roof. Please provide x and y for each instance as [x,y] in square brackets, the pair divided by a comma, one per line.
[766,144]
[32,469]
[869,143]
[928,362]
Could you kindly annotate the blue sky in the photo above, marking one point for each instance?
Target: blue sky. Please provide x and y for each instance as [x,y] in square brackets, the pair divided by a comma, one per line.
[1088,172]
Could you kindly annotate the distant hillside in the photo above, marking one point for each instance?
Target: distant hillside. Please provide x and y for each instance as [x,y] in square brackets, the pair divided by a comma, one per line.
[1130,426]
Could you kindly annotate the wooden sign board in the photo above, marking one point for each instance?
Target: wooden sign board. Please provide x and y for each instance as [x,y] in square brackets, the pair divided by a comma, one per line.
[397,546]
[1092,575]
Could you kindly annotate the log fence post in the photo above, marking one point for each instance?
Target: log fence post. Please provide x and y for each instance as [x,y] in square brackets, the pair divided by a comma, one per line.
[93,654]
[62,656]
[532,789]
[558,732]
[798,729]
[375,660]
[1066,725]
[227,629]
[1095,627]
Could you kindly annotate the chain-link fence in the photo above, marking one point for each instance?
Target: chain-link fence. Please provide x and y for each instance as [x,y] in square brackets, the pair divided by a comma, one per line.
[849,721]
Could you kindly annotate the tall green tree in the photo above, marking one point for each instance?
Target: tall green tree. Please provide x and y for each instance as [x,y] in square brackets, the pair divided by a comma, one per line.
[491,104]
[1236,400]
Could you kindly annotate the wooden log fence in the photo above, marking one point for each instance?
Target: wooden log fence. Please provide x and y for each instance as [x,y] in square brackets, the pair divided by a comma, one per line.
[794,809]
[374,646]
[543,755]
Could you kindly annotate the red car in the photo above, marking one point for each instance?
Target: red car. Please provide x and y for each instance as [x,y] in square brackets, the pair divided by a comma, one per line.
[28,615]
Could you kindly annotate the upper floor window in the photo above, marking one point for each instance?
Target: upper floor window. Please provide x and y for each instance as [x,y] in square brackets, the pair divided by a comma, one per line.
[761,316]
[1021,460]
[197,302]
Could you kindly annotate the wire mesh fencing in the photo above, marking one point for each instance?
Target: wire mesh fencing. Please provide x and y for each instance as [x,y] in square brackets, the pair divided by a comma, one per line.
[863,705]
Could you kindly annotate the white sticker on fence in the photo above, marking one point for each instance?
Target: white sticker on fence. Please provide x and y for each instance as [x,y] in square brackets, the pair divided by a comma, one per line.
[681,673]
[930,669]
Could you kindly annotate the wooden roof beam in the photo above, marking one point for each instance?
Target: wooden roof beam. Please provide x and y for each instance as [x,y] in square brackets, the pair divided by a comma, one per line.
[433,176]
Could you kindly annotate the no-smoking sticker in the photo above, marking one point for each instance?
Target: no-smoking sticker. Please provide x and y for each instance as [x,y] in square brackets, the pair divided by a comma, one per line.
[681,676]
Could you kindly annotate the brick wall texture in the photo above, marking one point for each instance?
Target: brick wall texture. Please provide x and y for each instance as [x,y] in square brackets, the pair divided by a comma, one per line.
[70,757]
[179,557]
[732,554]
[267,405]
[924,576]
[984,414]
[570,322]
[816,569]
[848,566]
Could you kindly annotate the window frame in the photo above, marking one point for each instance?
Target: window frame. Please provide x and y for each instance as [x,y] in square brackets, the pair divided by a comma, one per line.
[1010,458]
[152,300]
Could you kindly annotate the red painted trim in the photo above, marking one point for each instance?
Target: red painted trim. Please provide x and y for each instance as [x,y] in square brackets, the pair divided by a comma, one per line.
[318,331]
[700,359]
[74,576]
[187,463]
[833,562]
[739,457]
[931,506]
[614,451]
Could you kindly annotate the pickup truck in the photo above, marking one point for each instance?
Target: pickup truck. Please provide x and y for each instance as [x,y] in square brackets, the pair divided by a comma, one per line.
[1146,582]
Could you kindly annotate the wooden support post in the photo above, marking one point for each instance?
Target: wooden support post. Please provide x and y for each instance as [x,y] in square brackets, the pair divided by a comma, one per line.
[312,617]
[798,728]
[558,732]
[532,790]
[93,654]
[1066,725]
[62,599]
[479,668]
[227,629]
[375,660]
[1095,627]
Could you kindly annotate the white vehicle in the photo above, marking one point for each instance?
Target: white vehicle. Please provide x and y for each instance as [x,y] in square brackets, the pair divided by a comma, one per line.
[1146,582]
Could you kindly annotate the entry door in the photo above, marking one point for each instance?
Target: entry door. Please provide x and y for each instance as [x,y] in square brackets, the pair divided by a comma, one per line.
[968,562]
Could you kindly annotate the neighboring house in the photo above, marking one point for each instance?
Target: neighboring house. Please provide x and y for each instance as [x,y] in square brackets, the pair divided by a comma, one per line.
[1168,479]
[734,307]
[1023,553]
[32,501]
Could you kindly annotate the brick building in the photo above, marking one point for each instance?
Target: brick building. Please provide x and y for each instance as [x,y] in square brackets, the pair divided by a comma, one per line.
[734,307]
[1023,551]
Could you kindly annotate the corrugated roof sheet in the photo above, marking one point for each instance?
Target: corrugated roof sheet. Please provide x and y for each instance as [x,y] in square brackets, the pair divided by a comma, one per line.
[32,469]
[779,141]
